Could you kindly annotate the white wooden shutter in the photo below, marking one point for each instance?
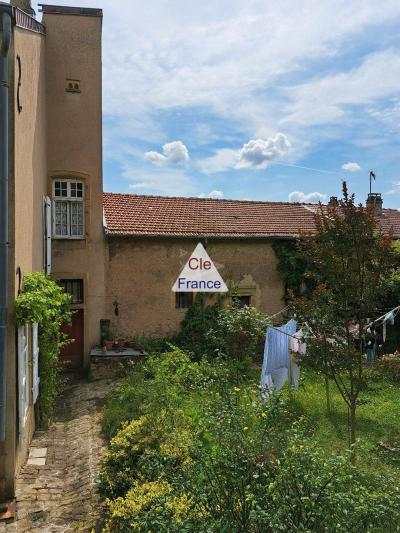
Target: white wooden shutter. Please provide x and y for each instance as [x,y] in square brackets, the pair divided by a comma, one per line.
[35,365]
[47,235]
[23,395]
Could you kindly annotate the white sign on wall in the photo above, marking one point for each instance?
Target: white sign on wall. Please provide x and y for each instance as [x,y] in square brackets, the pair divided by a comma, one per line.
[199,274]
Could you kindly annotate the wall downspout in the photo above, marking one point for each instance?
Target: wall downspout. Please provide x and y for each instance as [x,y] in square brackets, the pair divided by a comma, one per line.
[4,241]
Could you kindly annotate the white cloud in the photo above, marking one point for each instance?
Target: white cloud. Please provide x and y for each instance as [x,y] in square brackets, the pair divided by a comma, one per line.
[351,167]
[213,59]
[173,153]
[255,154]
[258,153]
[176,55]
[328,99]
[213,194]
[223,159]
[395,188]
[304,198]
[166,182]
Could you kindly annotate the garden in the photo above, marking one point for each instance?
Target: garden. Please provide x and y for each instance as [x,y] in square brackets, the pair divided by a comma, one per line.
[197,444]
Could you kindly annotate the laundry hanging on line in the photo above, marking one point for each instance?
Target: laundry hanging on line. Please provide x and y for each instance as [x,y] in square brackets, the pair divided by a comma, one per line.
[279,365]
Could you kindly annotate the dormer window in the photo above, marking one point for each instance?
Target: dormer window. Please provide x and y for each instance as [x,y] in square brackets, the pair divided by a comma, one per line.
[68,209]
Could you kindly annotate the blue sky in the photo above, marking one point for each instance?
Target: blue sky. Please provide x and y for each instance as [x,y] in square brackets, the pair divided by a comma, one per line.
[232,98]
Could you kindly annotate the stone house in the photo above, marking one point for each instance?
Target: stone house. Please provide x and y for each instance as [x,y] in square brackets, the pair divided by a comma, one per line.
[117,255]
[150,238]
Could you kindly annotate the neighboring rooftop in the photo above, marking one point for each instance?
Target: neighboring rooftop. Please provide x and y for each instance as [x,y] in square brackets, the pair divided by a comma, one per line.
[50,9]
[162,216]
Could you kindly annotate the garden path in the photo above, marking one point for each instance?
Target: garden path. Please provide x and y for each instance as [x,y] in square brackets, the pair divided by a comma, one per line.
[61,495]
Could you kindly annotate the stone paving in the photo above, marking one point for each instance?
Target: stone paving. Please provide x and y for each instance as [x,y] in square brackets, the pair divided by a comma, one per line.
[60,495]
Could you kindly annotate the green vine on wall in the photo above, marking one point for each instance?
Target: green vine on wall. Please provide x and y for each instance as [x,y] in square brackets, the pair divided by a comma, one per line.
[45,302]
[292,266]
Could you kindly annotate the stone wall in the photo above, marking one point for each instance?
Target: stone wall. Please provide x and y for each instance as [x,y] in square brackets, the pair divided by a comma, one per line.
[141,272]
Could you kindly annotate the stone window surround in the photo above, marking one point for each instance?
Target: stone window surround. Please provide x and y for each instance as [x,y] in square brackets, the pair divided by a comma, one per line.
[68,199]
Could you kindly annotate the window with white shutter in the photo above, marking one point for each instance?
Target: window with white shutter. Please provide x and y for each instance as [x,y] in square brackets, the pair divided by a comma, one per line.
[68,209]
[23,374]
[35,362]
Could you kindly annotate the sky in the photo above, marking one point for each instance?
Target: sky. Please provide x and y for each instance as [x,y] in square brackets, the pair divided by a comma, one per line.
[251,99]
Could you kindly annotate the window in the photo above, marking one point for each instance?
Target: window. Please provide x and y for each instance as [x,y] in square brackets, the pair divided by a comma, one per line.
[68,207]
[183,300]
[73,287]
[243,300]
[72,86]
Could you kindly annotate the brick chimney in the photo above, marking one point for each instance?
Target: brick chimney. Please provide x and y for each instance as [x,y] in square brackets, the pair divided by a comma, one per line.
[25,5]
[333,201]
[375,201]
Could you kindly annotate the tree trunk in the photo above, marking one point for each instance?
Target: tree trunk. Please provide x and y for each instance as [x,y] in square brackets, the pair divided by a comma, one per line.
[353,430]
[328,395]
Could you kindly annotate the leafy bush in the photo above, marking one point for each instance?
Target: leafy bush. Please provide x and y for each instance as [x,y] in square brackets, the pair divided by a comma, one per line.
[389,366]
[124,402]
[239,332]
[153,344]
[45,302]
[162,380]
[121,458]
[152,506]
[199,319]
[206,455]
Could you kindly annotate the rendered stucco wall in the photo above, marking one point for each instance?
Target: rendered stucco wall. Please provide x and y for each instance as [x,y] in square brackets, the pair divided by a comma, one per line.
[74,141]
[141,272]
[27,187]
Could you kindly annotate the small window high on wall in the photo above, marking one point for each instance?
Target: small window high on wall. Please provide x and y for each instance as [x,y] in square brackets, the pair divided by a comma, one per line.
[183,300]
[73,287]
[68,209]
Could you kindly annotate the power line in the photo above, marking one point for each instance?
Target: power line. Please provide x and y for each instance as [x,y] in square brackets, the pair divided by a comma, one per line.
[308,168]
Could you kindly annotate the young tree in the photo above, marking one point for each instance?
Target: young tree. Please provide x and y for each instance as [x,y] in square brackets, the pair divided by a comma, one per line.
[349,258]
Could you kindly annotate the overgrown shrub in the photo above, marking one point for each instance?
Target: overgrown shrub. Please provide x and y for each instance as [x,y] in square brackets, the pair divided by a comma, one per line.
[238,333]
[153,344]
[206,455]
[153,506]
[124,402]
[120,463]
[162,380]
[389,366]
[45,302]
[198,321]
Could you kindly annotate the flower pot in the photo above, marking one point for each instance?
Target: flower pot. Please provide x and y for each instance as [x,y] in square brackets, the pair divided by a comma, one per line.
[109,345]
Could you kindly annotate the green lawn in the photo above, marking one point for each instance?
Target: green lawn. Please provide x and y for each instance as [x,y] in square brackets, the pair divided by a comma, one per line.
[378,419]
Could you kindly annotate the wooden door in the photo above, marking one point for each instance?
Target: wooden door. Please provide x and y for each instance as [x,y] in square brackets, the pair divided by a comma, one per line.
[71,356]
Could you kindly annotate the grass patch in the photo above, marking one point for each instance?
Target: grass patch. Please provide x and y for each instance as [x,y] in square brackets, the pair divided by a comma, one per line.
[377,420]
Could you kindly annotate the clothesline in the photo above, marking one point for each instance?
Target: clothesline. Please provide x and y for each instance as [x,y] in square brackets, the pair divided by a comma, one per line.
[383,316]
[284,332]
[279,312]
[395,309]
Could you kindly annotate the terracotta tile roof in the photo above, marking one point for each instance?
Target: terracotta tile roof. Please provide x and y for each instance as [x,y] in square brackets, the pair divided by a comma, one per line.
[152,216]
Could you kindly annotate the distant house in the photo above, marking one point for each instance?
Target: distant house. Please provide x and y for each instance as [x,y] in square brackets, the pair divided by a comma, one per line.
[117,255]
[150,238]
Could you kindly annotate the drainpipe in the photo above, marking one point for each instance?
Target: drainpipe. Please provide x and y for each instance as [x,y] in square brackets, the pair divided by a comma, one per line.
[4,99]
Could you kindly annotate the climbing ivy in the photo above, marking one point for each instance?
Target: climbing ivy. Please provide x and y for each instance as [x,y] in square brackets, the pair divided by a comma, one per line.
[293,267]
[45,302]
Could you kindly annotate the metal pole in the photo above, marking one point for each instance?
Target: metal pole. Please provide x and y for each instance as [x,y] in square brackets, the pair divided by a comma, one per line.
[4,243]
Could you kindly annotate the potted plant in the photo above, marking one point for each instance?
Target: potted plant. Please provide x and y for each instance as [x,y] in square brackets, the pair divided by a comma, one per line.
[108,338]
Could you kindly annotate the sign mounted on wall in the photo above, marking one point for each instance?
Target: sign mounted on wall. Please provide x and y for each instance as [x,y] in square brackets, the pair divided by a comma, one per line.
[199,274]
